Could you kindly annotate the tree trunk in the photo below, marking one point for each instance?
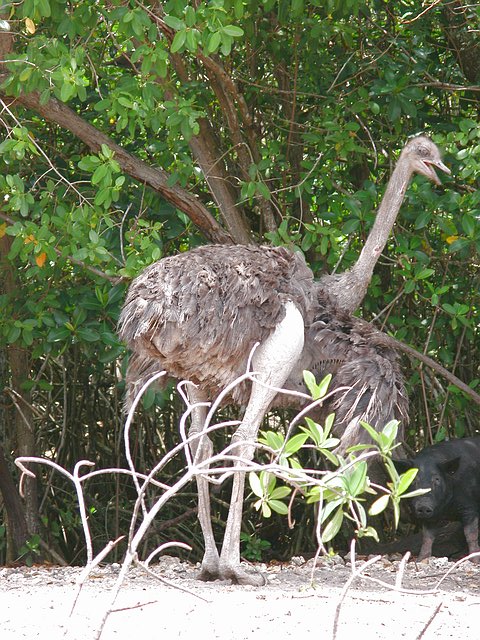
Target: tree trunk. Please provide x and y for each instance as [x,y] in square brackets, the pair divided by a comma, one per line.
[17,532]
[16,522]
[22,422]
[24,431]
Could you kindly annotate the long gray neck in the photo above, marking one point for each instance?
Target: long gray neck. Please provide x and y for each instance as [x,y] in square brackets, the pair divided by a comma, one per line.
[347,290]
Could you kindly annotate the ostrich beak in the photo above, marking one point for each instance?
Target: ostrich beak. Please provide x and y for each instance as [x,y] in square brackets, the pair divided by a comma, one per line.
[430,172]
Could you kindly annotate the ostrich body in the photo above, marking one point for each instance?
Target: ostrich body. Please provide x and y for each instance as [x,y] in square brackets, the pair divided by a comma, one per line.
[199,314]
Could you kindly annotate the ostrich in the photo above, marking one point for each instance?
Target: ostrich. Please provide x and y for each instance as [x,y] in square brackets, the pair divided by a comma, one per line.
[198,315]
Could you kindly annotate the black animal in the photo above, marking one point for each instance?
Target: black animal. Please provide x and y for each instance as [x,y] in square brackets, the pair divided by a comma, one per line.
[451,470]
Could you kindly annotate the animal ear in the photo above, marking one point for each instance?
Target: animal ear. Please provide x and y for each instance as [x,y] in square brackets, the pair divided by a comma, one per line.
[403,465]
[450,466]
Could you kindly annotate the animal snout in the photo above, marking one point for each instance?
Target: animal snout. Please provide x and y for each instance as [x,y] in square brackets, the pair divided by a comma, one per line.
[424,510]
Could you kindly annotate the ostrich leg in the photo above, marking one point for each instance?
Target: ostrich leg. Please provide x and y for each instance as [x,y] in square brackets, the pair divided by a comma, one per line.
[273,360]
[202,449]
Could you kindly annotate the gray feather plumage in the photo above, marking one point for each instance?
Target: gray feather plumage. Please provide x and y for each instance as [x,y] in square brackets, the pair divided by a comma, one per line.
[198,315]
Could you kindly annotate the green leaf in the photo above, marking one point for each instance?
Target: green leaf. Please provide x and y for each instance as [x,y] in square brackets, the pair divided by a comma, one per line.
[406,480]
[255,484]
[295,443]
[263,190]
[459,244]
[323,386]
[174,23]
[99,174]
[371,431]
[278,507]
[468,224]
[89,163]
[67,91]
[59,334]
[390,431]
[423,219]
[333,527]
[449,308]
[88,334]
[190,16]
[317,391]
[280,492]
[25,74]
[369,532]
[314,431]
[310,382]
[329,420]
[266,511]
[93,236]
[44,8]
[191,40]
[27,337]
[410,286]
[14,334]
[356,482]
[424,273]
[297,8]
[379,505]
[148,398]
[178,41]
[331,457]
[232,30]
[274,440]
[213,42]
[226,48]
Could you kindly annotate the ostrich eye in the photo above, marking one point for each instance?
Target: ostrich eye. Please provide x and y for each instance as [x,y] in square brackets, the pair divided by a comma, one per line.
[423,151]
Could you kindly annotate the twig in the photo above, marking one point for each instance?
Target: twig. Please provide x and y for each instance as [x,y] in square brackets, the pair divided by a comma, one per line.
[401,570]
[149,572]
[360,572]
[126,434]
[401,346]
[348,584]
[456,565]
[430,620]
[162,548]
[140,605]
[422,13]
[90,566]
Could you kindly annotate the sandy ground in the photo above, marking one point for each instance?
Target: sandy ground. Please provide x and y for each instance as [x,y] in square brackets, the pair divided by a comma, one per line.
[297,602]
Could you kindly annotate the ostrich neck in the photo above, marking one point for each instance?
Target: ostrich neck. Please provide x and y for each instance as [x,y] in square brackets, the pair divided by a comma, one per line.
[348,289]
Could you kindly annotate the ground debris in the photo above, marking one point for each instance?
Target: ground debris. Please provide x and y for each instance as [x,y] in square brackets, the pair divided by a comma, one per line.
[34,601]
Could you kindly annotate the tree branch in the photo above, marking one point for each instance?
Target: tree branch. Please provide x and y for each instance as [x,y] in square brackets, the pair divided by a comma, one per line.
[204,147]
[464,40]
[154,177]
[410,351]
[229,98]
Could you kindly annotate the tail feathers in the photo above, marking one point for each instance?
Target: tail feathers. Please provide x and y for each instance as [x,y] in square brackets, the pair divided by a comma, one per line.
[140,369]
[374,393]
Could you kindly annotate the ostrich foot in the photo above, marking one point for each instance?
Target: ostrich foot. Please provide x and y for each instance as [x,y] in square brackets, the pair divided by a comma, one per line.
[237,575]
[207,575]
[210,569]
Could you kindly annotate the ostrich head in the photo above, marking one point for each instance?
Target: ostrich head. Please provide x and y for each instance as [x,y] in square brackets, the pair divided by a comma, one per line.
[422,156]
[347,290]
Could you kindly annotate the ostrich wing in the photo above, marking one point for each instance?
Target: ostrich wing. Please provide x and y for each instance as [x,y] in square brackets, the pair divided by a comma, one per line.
[198,315]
